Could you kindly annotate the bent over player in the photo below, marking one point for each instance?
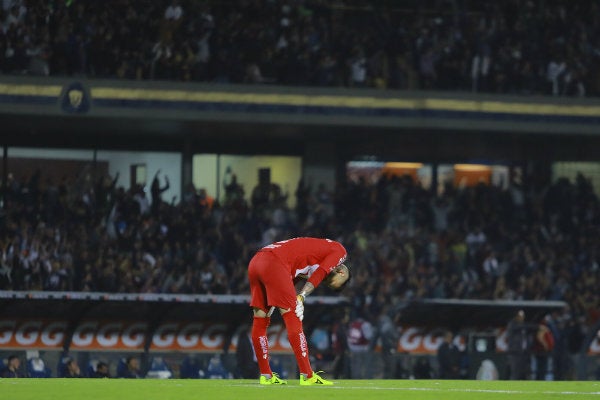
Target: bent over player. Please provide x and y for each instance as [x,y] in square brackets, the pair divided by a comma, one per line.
[272,272]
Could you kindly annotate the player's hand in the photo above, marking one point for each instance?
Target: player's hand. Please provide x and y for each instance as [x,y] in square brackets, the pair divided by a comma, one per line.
[300,307]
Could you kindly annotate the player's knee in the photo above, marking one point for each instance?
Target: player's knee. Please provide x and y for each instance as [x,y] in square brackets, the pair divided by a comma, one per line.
[283,311]
[259,313]
[292,322]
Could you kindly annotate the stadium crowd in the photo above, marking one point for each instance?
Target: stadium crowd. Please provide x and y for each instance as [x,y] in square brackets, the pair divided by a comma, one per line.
[532,241]
[518,47]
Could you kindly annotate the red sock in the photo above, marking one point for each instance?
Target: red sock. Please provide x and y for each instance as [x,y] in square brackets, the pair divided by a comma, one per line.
[298,342]
[261,344]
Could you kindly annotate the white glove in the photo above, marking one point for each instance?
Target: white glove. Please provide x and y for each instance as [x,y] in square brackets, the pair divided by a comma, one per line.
[300,307]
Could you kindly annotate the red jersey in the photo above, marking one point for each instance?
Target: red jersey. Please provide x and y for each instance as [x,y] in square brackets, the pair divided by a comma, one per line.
[306,255]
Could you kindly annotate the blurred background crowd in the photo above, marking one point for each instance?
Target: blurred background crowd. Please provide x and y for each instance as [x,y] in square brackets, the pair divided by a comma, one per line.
[513,46]
[532,241]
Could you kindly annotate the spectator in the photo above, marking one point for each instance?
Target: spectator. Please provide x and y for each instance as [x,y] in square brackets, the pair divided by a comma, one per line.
[172,22]
[340,365]
[358,69]
[234,192]
[517,336]
[543,344]
[320,345]
[360,335]
[246,358]
[72,369]
[36,368]
[216,370]
[131,369]
[191,368]
[422,368]
[57,236]
[101,370]
[416,46]
[487,371]
[174,12]
[387,334]
[449,356]
[13,364]
[156,192]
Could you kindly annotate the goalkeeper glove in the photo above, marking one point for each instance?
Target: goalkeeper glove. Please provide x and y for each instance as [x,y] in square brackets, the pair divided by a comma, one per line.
[300,307]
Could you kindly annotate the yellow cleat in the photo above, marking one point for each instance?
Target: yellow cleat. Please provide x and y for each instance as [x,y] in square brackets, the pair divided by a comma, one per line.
[273,380]
[315,379]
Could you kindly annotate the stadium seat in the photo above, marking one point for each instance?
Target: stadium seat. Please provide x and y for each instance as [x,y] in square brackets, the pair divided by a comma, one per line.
[91,368]
[61,368]
[36,368]
[277,367]
[191,368]
[3,365]
[159,369]
[122,368]
[216,369]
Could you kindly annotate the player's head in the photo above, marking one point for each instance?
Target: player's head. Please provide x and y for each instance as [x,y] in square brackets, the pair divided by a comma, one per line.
[133,363]
[13,361]
[102,368]
[338,278]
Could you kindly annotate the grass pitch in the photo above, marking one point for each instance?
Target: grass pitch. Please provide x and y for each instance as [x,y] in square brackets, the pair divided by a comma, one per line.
[145,389]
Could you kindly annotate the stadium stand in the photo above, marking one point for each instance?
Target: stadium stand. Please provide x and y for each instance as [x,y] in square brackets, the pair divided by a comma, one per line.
[546,252]
[532,241]
[521,47]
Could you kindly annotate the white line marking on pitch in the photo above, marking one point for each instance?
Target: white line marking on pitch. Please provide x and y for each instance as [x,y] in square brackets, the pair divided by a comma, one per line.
[462,390]
[437,389]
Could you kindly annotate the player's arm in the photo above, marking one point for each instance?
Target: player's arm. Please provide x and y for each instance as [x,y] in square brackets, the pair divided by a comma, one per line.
[306,290]
[329,263]
[335,257]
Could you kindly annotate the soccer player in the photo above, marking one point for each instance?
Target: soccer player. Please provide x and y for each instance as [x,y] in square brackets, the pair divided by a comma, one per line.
[273,272]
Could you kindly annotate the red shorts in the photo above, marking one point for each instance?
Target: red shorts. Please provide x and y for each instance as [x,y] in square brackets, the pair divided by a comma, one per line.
[270,282]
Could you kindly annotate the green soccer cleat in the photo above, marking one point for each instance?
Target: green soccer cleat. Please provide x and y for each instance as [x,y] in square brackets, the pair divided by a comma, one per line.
[273,380]
[315,379]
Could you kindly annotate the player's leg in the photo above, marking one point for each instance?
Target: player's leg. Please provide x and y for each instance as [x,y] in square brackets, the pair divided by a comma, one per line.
[299,344]
[260,321]
[297,340]
[282,294]
[260,342]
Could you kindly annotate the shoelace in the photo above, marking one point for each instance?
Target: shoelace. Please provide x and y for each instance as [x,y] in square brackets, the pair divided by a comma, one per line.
[275,375]
[318,380]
